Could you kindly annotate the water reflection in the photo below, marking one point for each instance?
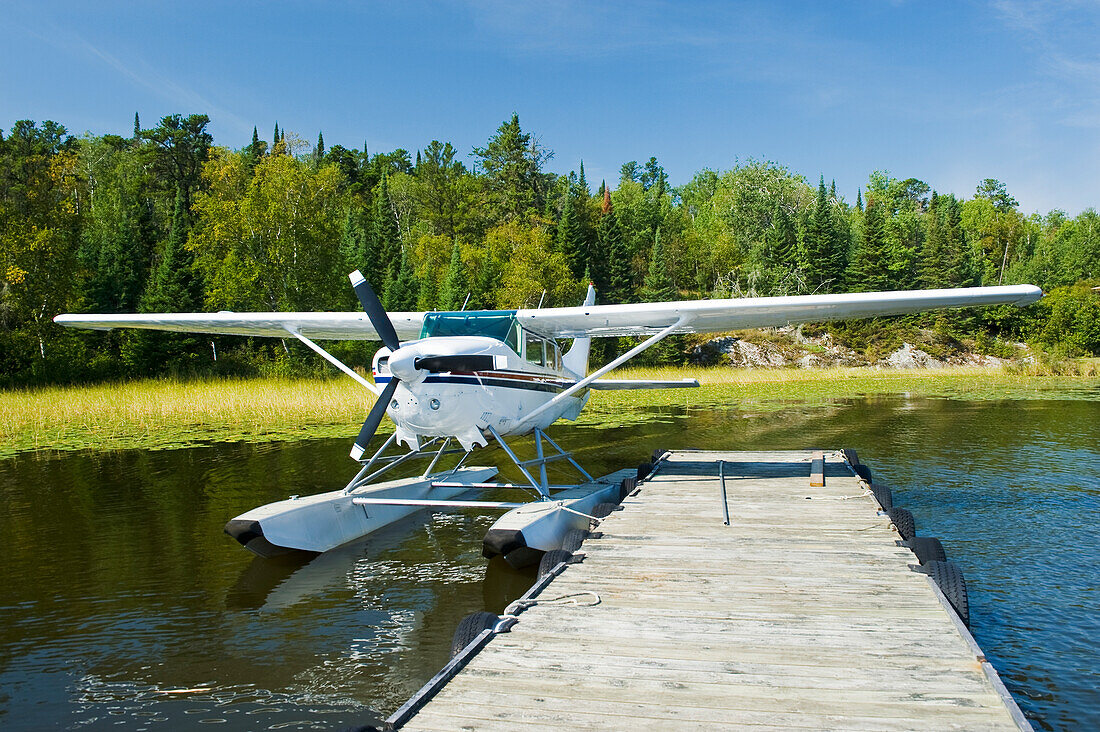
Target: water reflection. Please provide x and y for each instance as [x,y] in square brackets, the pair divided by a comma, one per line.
[119,585]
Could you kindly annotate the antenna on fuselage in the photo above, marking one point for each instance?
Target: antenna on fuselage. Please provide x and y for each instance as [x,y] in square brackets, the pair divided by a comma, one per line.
[463,308]
[541,298]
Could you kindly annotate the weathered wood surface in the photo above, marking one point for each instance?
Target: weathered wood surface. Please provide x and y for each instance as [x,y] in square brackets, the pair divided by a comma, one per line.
[802,613]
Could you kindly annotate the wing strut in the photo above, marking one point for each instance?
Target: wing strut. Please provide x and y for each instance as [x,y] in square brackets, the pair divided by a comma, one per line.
[335,362]
[605,369]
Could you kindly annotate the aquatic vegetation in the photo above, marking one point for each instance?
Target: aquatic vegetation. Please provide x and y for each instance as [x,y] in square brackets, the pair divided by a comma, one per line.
[170,413]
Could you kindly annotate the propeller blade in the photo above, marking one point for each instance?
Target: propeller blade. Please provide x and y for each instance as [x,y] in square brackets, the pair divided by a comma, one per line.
[374,418]
[372,306]
[456,363]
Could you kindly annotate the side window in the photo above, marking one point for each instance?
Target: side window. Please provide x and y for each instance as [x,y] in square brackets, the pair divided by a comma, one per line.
[534,349]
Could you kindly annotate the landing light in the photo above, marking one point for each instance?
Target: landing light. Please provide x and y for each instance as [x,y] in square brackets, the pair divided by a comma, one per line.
[434,404]
[394,404]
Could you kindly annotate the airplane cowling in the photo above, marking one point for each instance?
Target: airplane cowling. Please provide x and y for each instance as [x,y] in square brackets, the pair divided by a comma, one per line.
[402,362]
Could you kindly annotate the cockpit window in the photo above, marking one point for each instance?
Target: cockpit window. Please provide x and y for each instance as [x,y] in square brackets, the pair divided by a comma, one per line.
[498,324]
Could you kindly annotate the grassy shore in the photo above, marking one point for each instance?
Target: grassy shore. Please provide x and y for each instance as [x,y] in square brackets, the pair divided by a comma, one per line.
[162,414]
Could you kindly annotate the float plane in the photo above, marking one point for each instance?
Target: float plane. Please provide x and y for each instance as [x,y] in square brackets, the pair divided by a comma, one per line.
[475,376]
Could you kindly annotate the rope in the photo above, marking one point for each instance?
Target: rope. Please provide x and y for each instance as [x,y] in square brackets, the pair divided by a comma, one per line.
[579,513]
[572,599]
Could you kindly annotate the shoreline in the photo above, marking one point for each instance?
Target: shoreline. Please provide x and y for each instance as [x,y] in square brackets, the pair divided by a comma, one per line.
[168,414]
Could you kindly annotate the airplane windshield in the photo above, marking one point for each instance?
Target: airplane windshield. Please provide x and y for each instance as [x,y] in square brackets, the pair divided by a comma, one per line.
[498,324]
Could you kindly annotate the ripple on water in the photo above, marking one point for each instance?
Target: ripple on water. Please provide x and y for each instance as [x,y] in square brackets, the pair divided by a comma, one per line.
[141,594]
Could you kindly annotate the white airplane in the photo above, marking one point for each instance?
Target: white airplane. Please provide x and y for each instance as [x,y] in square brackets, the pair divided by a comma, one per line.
[472,376]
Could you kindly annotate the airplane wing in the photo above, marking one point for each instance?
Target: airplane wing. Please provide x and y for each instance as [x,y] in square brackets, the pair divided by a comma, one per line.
[696,316]
[323,326]
[711,316]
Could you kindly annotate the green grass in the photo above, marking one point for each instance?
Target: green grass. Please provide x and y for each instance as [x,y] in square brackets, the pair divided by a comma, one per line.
[164,414]
[774,389]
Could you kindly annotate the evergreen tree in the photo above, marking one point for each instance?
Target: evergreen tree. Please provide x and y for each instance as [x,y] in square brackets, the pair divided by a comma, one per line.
[137,127]
[174,287]
[859,200]
[484,285]
[654,178]
[428,298]
[867,271]
[620,289]
[571,235]
[825,244]
[405,292]
[355,245]
[456,284]
[596,263]
[933,265]
[781,240]
[319,151]
[658,287]
[179,148]
[387,243]
[840,242]
[275,138]
[512,162]
[255,150]
[120,262]
[817,250]
[584,235]
[963,266]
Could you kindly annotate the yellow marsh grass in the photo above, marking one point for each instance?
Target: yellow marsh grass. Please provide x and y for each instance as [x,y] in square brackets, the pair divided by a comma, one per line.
[160,414]
[167,413]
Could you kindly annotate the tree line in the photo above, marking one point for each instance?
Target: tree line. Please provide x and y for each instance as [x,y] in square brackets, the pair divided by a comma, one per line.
[165,220]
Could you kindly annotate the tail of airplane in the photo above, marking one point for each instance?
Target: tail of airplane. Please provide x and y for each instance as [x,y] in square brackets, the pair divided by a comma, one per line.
[576,359]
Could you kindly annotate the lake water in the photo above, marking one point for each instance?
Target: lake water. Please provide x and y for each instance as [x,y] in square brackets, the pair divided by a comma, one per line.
[122,602]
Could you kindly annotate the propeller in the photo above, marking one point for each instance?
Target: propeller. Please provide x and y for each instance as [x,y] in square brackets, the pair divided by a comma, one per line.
[372,306]
[374,418]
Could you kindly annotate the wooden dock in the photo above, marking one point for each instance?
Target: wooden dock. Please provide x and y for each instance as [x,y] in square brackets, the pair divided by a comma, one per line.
[804,612]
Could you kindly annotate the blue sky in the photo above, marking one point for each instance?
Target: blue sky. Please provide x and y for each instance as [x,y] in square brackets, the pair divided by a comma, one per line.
[948,92]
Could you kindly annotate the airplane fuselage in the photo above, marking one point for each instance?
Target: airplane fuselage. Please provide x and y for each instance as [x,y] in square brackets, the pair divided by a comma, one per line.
[464,404]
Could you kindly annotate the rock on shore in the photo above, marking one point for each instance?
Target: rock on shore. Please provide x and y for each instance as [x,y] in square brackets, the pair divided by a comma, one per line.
[789,347]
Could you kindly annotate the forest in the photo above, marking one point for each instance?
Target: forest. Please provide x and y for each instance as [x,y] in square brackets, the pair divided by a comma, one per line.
[165,220]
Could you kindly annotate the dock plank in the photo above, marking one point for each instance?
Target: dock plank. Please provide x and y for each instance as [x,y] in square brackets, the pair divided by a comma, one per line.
[804,613]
